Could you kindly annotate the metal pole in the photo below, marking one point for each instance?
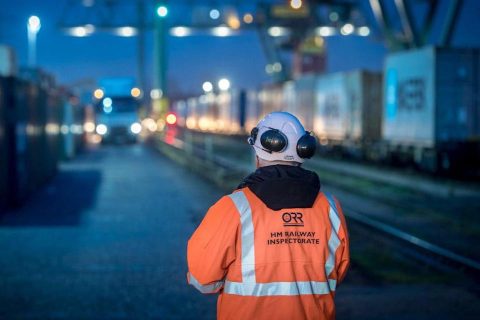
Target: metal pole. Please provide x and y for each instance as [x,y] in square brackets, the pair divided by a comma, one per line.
[32,43]
[141,46]
[160,61]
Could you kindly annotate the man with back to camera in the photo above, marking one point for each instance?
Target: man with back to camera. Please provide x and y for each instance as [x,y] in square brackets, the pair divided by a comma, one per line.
[277,247]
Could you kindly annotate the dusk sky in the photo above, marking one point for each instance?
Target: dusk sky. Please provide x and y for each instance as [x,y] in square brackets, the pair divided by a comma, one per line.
[192,60]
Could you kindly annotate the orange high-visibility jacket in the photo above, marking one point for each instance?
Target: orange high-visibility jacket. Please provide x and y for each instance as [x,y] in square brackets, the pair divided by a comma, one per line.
[270,264]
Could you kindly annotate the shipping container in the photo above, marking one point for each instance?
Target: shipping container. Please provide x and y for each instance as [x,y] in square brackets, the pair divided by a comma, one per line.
[431,96]
[348,107]
[253,110]
[230,117]
[6,99]
[272,98]
[431,104]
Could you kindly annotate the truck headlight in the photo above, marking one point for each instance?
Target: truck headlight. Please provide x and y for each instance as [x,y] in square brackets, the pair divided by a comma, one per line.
[101,129]
[135,128]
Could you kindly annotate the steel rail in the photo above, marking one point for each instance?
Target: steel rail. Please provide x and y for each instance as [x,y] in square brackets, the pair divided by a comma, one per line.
[413,240]
[372,223]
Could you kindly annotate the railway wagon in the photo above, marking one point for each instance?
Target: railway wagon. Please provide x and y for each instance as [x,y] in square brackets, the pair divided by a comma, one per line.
[253,112]
[431,108]
[179,107]
[223,112]
[347,109]
[230,115]
[300,98]
[343,109]
[197,113]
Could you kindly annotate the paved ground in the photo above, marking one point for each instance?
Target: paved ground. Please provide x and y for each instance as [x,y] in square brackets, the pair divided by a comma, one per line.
[107,239]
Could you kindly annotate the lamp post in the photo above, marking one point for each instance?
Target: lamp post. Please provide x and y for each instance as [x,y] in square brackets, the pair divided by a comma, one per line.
[33,27]
[160,106]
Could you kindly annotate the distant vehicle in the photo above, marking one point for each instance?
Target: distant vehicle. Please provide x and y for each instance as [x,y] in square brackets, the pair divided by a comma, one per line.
[117,110]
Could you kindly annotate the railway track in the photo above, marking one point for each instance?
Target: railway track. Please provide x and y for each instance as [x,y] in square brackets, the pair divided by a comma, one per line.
[407,244]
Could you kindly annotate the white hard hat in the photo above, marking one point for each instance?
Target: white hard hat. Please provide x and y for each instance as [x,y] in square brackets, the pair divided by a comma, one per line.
[281,136]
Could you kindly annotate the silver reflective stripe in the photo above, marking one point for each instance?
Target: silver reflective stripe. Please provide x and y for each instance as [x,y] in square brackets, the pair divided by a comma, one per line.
[249,286]
[247,234]
[279,288]
[334,241]
[209,288]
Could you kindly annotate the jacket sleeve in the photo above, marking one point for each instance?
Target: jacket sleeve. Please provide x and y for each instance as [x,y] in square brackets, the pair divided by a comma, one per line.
[211,249]
[342,258]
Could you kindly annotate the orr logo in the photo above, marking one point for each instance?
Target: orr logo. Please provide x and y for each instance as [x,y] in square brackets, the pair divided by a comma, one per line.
[292,219]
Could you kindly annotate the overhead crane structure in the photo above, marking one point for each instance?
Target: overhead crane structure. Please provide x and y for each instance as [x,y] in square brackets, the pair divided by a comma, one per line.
[282,25]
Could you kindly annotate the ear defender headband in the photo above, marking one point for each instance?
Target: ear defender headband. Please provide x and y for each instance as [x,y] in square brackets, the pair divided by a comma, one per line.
[273,140]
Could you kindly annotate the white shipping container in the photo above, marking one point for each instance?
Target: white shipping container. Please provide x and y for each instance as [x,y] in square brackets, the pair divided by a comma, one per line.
[409,97]
[331,117]
[348,106]
[252,110]
[300,99]
[431,96]
[8,62]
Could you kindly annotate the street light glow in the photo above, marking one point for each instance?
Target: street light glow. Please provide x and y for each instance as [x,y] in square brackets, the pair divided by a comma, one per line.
[248,18]
[180,31]
[224,84]
[98,94]
[81,31]
[207,86]
[156,94]
[162,11]
[277,31]
[107,102]
[126,31]
[221,31]
[325,31]
[34,24]
[233,21]
[136,92]
[296,4]
[214,14]
[347,29]
[364,31]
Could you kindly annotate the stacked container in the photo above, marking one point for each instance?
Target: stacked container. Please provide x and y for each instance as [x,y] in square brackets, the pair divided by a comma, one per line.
[31,121]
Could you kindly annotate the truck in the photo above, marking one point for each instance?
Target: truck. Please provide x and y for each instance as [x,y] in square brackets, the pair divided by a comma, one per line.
[117,110]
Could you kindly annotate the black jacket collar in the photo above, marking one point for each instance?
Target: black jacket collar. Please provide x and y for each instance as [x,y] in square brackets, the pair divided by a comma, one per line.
[283,187]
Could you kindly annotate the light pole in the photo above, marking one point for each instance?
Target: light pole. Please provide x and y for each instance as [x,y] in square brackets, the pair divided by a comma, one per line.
[33,27]
[160,106]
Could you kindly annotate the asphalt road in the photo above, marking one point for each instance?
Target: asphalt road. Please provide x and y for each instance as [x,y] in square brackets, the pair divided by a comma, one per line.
[106,240]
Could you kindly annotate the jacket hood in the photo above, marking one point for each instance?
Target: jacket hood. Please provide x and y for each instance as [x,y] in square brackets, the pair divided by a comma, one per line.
[283,186]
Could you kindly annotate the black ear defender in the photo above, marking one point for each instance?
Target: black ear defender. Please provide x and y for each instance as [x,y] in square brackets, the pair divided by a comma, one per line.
[306,146]
[272,140]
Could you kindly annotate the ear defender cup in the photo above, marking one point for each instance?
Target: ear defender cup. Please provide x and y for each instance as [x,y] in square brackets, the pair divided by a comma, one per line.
[306,146]
[273,140]
[253,136]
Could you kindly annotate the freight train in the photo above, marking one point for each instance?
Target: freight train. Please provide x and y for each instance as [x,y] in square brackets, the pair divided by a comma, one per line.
[423,110]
